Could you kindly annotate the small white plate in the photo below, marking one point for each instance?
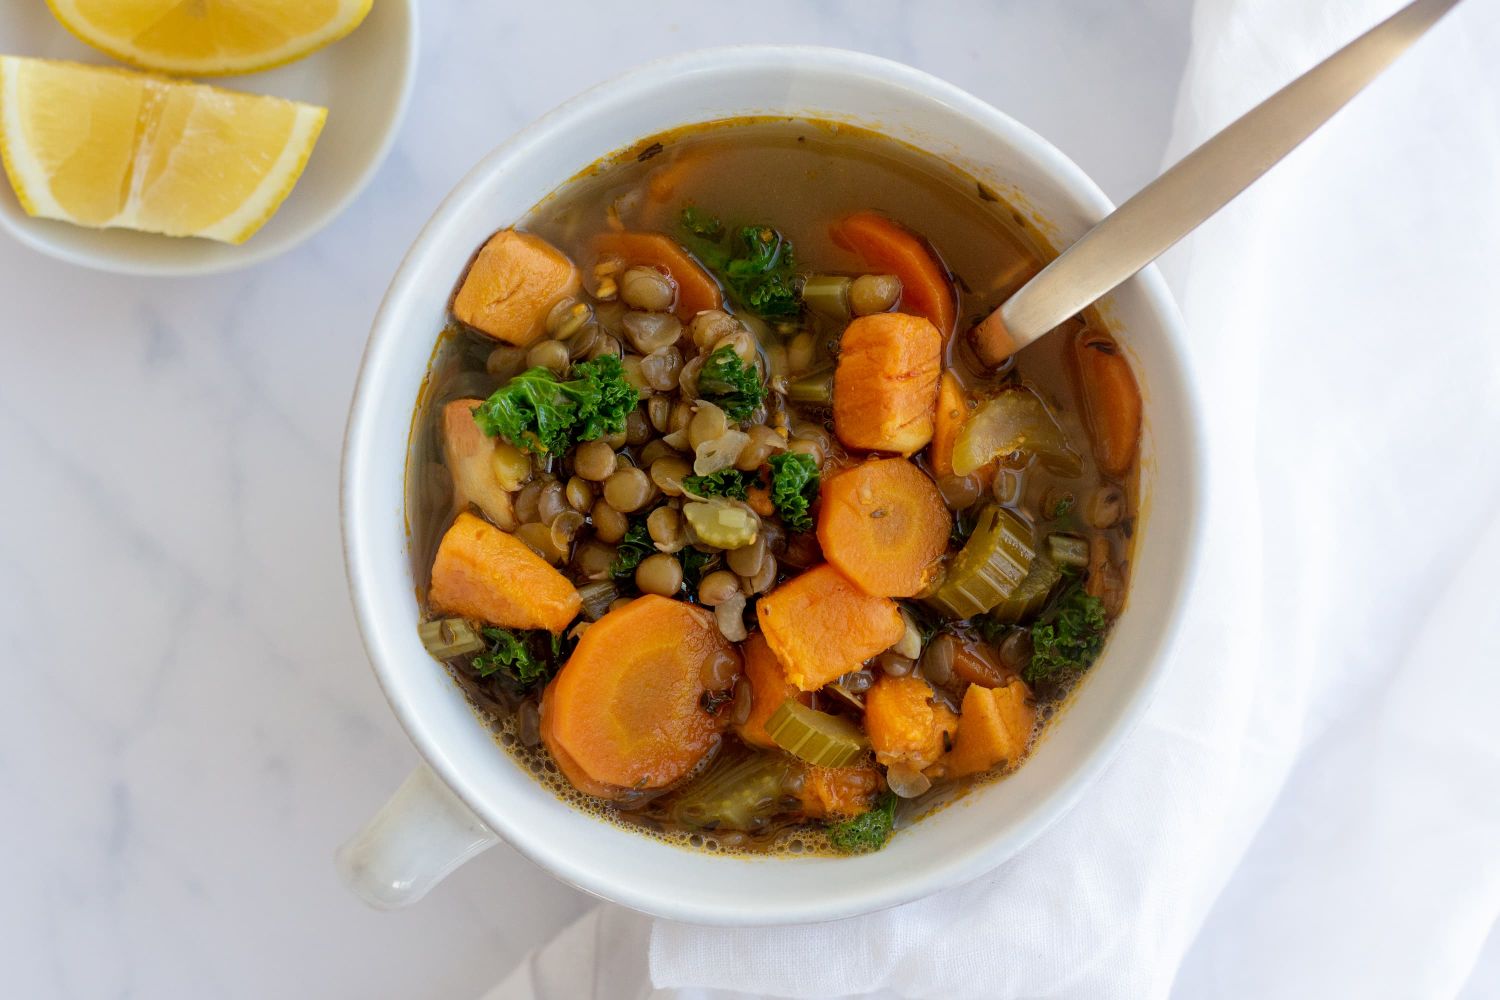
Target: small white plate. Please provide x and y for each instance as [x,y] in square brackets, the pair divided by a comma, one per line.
[364,81]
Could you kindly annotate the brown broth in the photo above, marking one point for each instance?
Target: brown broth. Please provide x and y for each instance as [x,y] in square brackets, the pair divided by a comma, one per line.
[797,176]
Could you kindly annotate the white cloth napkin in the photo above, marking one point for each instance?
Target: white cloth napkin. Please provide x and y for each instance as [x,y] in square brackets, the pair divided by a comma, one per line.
[1312,806]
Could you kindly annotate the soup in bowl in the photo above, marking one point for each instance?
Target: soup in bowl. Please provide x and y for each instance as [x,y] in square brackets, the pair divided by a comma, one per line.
[711,525]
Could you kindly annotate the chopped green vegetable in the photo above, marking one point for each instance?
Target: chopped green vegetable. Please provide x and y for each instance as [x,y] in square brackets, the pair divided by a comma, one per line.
[867,831]
[521,657]
[635,546]
[794,486]
[741,790]
[724,483]
[1063,505]
[701,224]
[1030,594]
[1068,551]
[1016,420]
[693,565]
[816,737]
[731,383]
[1067,640]
[828,295]
[815,388]
[537,412]
[756,266]
[449,637]
[994,561]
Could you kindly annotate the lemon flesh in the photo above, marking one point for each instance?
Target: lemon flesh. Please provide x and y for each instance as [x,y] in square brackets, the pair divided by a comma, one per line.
[209,37]
[112,148]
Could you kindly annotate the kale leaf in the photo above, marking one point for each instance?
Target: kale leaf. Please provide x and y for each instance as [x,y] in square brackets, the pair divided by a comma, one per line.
[635,546]
[756,267]
[538,412]
[730,383]
[794,486]
[868,831]
[724,483]
[1067,639]
[518,657]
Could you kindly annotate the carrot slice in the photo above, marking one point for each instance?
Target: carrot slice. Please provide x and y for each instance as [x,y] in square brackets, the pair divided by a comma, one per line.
[821,626]
[625,711]
[994,726]
[696,290]
[886,383]
[906,725]
[482,572]
[890,247]
[947,419]
[884,525]
[768,689]
[1111,400]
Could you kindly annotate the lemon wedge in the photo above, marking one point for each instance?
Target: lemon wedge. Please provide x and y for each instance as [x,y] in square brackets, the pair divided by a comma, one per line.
[209,37]
[108,147]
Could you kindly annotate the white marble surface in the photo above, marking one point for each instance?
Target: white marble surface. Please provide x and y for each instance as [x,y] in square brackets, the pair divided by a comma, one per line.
[189,726]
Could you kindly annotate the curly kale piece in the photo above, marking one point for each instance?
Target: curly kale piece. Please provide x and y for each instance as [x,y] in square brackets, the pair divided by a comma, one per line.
[724,483]
[1067,639]
[794,486]
[757,267]
[635,546]
[524,659]
[730,383]
[868,831]
[540,413]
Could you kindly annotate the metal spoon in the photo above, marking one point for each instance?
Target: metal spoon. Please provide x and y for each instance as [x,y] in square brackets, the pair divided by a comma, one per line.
[1178,201]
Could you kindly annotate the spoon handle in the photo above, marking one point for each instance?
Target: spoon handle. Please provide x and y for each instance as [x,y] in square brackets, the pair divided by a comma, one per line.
[1200,184]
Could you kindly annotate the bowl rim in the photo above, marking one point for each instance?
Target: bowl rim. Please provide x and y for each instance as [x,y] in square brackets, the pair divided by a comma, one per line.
[881,894]
[34,233]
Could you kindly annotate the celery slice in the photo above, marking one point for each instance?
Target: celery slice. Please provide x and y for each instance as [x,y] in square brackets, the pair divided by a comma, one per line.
[816,737]
[1015,420]
[1068,550]
[828,294]
[1030,595]
[447,638]
[741,790]
[994,561]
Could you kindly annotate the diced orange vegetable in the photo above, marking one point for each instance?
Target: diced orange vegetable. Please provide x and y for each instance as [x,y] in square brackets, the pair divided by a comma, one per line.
[759,499]
[889,247]
[1111,400]
[625,711]
[886,384]
[469,454]
[884,525]
[839,792]
[768,689]
[512,285]
[482,572]
[905,723]
[696,290]
[978,665]
[948,417]
[995,725]
[821,626]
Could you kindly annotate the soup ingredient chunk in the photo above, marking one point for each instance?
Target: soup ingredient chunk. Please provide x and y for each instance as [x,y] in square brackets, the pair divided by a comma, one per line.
[839,792]
[512,286]
[768,689]
[1014,421]
[696,291]
[470,457]
[821,626]
[756,263]
[626,708]
[741,790]
[883,524]
[989,569]
[816,737]
[886,383]
[482,572]
[1066,641]
[890,247]
[794,486]
[538,412]
[906,724]
[1111,400]
[994,726]
[730,383]
[868,831]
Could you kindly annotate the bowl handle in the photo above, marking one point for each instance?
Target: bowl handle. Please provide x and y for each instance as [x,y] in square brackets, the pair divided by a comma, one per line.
[421,835]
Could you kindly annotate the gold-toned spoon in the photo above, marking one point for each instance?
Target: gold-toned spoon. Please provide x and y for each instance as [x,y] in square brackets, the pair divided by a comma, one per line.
[1200,184]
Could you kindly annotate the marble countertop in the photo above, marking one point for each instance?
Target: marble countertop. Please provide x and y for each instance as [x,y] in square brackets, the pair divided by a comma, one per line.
[190,727]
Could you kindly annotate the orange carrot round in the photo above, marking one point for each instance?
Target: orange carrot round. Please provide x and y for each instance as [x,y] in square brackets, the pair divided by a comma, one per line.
[890,247]
[696,290]
[625,711]
[1111,400]
[884,525]
[886,382]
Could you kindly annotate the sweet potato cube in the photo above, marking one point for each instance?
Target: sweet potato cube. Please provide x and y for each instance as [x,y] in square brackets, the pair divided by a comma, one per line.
[886,384]
[482,572]
[821,626]
[512,285]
